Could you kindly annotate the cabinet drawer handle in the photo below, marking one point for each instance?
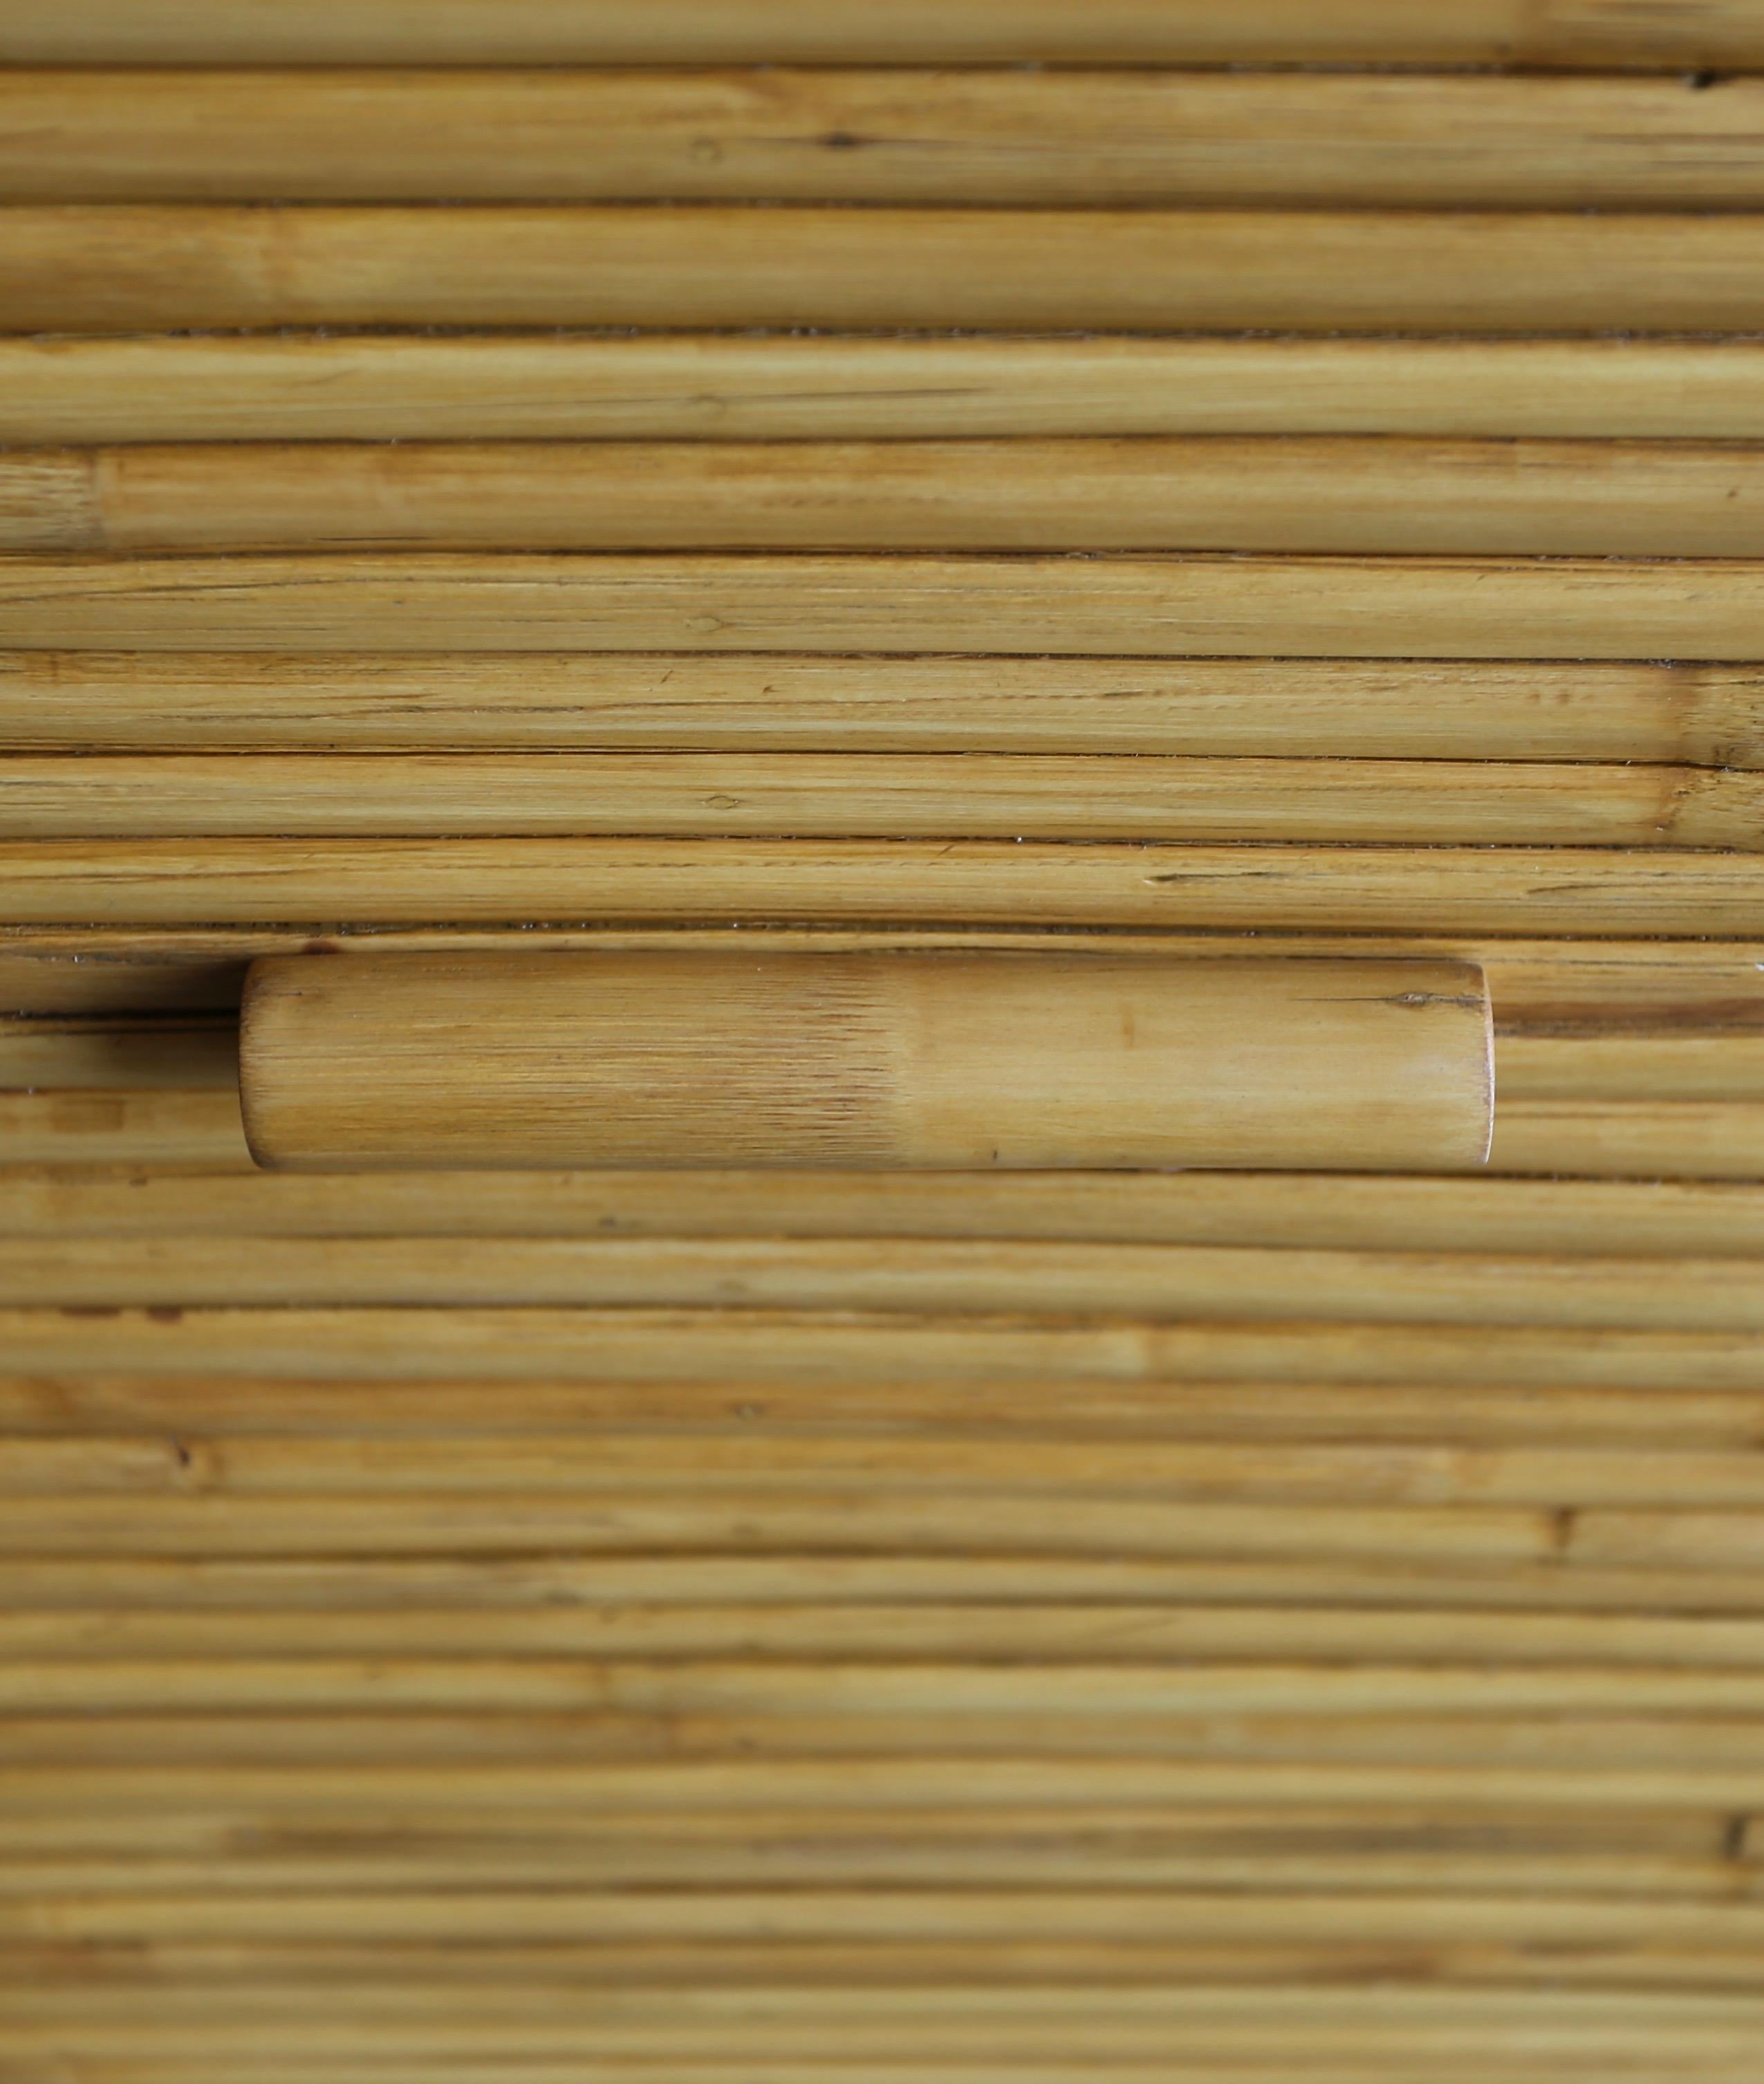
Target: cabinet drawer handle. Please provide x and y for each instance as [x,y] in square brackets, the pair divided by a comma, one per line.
[885,1060]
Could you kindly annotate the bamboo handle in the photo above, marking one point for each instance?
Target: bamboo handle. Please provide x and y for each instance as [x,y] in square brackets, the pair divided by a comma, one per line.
[940,1060]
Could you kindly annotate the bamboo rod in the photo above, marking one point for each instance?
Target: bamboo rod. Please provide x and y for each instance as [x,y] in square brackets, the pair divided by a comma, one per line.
[1641,1219]
[1672,715]
[129,1124]
[1207,606]
[1644,1139]
[1471,891]
[1053,1636]
[1468,32]
[917,136]
[59,1055]
[508,1587]
[881,796]
[1542,987]
[1440,2067]
[1153,1282]
[514,386]
[750,1347]
[1286,492]
[147,267]
[796,1472]
[887,1062]
[1712,1069]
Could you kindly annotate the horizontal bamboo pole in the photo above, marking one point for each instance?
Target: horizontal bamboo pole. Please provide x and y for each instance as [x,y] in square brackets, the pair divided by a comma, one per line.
[635,1467]
[1640,1219]
[122,1056]
[890,1062]
[747,1347]
[1635,1139]
[1471,891]
[1672,715]
[1713,1069]
[916,137]
[1153,1282]
[882,796]
[1168,606]
[1285,492]
[1441,2067]
[514,386]
[1583,32]
[129,1126]
[148,267]
[1560,988]
[1053,1636]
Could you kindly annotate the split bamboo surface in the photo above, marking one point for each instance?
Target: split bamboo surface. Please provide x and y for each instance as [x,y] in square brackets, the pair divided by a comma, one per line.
[1285,493]
[510,386]
[1588,33]
[132,267]
[1008,137]
[922,497]
[1207,606]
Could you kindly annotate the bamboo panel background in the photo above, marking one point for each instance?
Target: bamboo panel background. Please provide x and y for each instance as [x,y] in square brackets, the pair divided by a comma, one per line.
[1273,481]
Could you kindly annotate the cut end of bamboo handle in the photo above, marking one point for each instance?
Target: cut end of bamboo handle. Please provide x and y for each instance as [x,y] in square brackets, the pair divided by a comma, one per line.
[961,1061]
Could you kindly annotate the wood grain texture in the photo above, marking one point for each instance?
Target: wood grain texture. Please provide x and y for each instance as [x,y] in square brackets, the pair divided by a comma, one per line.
[876,136]
[1676,715]
[1479,891]
[133,267]
[888,797]
[1584,32]
[1428,607]
[1213,492]
[513,386]
[888,1062]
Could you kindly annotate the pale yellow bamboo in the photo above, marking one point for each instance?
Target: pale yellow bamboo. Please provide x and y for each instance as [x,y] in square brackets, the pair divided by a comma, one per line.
[882,796]
[1548,987]
[1588,32]
[1441,2066]
[1149,1281]
[514,386]
[643,1470]
[1669,715]
[1285,493]
[1642,1139]
[1713,1069]
[130,1125]
[1645,1219]
[1089,137]
[751,1348]
[1054,1636]
[1368,890]
[1168,606]
[137,267]
[56,1055]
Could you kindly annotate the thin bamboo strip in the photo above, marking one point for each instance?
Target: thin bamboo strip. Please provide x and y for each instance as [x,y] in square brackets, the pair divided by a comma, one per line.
[1285,492]
[1438,2067]
[1458,1417]
[749,1347]
[513,386]
[1709,1716]
[1434,891]
[147,267]
[881,796]
[1212,606]
[1583,32]
[931,1958]
[594,1925]
[132,1124]
[57,1055]
[870,136]
[1712,1068]
[1563,988]
[1645,1139]
[634,1467]
[1669,714]
[1339,1211]
[587,1585]
[946,1632]
[1149,1283]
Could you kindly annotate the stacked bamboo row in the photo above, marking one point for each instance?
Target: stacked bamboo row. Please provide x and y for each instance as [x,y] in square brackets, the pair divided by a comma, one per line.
[1278,480]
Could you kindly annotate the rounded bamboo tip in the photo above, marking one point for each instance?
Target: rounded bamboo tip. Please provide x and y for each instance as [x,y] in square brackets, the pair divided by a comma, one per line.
[959,1061]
